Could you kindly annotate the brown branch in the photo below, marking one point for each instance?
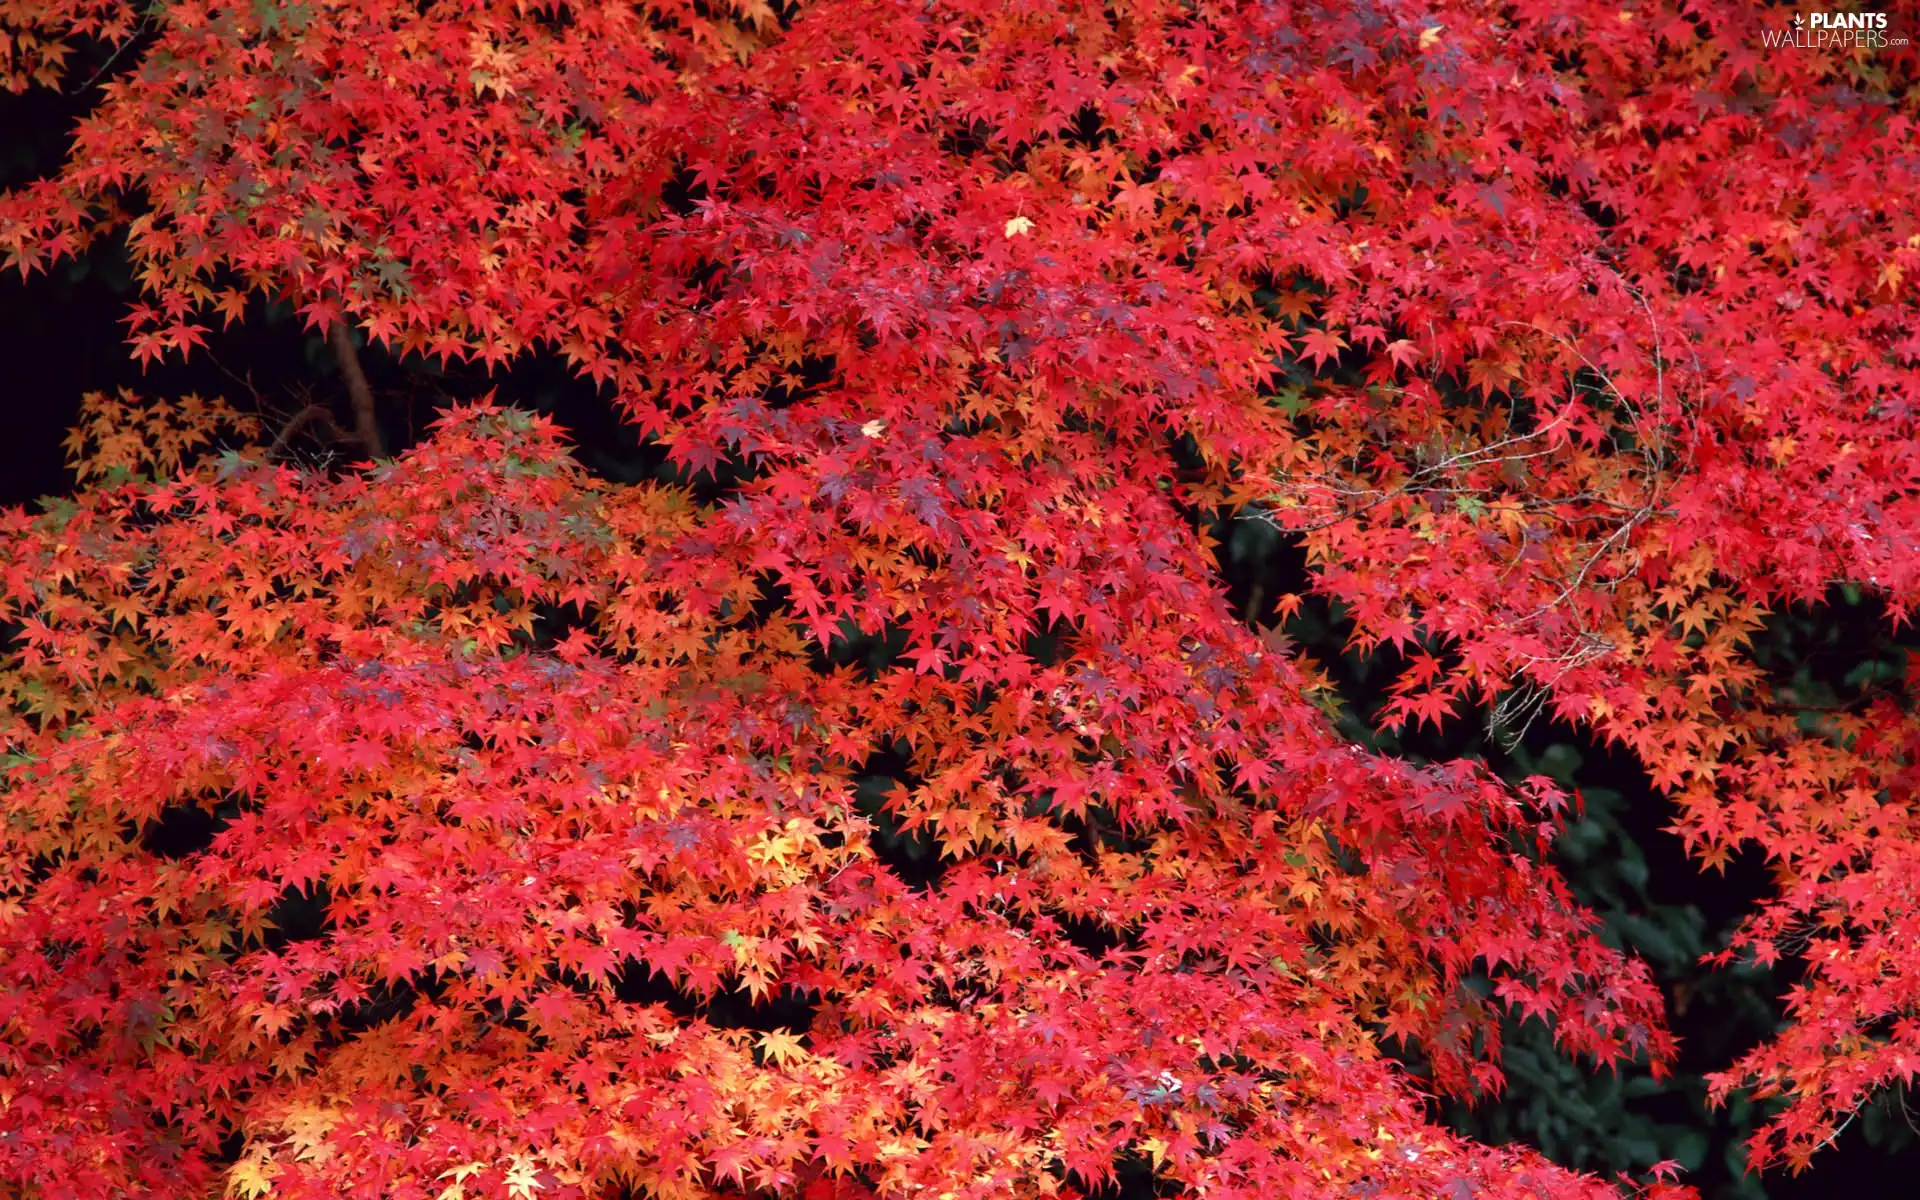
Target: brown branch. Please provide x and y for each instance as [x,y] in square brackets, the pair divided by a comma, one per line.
[309,415]
[366,422]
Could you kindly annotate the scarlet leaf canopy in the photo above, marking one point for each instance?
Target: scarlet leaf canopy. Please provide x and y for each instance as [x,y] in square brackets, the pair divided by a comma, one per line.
[1568,337]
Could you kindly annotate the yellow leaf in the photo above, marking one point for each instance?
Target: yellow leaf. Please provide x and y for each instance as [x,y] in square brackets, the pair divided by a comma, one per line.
[523,1179]
[782,1047]
[252,1176]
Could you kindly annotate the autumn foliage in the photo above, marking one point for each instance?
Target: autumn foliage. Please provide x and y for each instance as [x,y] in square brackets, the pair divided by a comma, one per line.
[1568,338]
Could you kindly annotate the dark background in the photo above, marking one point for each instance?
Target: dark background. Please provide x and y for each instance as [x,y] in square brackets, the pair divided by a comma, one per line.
[61,336]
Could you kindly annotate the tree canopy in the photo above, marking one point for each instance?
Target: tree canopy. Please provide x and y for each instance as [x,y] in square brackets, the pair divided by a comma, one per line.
[414,827]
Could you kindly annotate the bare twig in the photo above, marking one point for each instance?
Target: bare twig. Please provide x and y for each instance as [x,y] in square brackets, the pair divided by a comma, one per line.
[312,414]
[139,31]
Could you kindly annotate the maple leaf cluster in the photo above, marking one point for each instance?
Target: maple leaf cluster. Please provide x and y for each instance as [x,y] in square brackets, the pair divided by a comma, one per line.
[1569,339]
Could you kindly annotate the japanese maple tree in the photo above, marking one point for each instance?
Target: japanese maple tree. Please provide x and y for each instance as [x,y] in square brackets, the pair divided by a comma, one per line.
[1569,338]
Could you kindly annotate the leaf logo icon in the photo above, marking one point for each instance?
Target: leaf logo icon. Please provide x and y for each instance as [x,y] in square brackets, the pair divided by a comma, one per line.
[1798,20]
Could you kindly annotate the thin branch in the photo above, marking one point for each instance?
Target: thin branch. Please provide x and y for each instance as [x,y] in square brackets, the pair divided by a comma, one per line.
[311,414]
[139,31]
